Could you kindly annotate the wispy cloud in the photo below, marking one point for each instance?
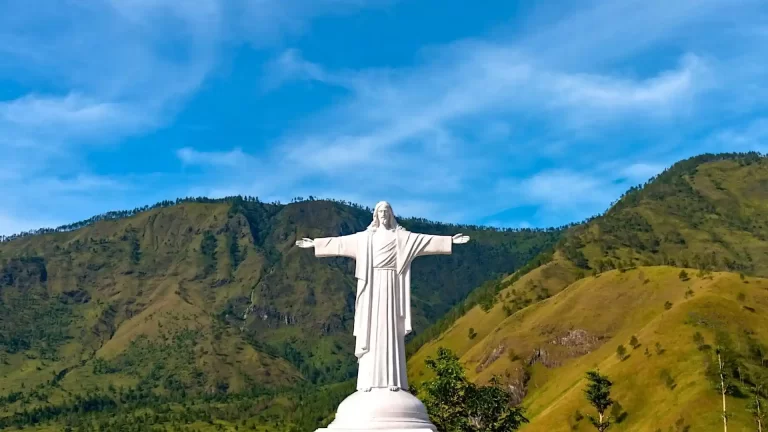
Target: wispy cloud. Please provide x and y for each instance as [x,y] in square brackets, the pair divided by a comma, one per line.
[221,159]
[559,114]
[10,224]
[69,116]
[751,137]
[394,119]
[266,22]
[640,172]
[437,130]
[97,72]
[479,79]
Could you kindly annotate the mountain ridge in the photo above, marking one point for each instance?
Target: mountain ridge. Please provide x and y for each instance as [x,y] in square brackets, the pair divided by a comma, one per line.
[207,298]
[697,231]
[263,303]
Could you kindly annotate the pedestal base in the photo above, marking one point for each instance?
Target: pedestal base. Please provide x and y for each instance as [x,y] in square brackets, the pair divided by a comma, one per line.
[381,410]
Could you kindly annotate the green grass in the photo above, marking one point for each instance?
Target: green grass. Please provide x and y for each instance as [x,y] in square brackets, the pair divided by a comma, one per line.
[612,308]
[525,290]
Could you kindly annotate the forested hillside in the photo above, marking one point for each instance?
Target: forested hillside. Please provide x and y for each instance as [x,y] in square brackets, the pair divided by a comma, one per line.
[205,298]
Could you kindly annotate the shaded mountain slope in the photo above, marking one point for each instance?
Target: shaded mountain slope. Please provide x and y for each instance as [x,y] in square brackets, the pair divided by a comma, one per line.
[208,296]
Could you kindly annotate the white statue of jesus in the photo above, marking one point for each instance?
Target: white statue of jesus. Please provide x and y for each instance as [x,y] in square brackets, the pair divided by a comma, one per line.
[383,254]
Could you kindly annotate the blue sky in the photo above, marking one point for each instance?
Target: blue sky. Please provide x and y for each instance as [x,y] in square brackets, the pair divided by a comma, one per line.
[502,113]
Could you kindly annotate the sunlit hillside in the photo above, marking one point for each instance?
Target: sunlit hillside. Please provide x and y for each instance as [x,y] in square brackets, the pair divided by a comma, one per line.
[619,275]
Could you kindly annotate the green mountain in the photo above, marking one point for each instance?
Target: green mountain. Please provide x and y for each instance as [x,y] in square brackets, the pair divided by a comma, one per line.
[710,211]
[201,315]
[679,263]
[203,298]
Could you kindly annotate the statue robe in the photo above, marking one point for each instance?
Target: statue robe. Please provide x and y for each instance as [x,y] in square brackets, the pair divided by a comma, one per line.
[383,300]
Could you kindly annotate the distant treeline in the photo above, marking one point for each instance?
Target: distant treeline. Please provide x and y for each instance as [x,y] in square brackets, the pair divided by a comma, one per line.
[121,214]
[687,166]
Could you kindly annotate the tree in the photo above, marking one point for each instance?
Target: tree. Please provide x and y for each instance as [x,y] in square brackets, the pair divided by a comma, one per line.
[698,339]
[683,275]
[634,342]
[723,388]
[617,412]
[489,409]
[455,404]
[757,407]
[621,352]
[598,393]
[447,392]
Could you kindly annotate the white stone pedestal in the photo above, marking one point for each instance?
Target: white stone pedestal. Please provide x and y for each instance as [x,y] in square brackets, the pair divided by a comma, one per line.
[381,410]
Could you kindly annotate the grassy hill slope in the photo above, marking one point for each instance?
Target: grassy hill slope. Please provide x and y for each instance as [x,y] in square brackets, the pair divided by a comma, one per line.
[515,293]
[543,351]
[550,345]
[708,213]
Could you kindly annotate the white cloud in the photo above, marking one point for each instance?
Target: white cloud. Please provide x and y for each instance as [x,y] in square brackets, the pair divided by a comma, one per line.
[462,119]
[414,130]
[81,184]
[399,128]
[752,137]
[576,81]
[221,159]
[557,188]
[105,70]
[99,72]
[479,79]
[71,116]
[265,22]
[50,194]
[640,172]
[14,224]
[611,93]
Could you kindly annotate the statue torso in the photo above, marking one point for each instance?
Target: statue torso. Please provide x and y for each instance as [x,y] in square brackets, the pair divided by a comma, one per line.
[384,244]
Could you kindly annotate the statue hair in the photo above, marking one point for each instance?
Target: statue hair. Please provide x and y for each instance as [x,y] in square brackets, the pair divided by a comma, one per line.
[392,221]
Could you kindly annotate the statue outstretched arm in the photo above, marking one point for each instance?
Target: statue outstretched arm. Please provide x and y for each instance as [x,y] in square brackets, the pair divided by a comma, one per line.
[460,238]
[345,246]
[305,243]
[440,245]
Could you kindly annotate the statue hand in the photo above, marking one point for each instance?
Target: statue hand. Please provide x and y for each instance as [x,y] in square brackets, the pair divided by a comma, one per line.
[460,239]
[305,243]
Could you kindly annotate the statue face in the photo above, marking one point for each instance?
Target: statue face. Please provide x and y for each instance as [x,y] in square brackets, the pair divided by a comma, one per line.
[383,214]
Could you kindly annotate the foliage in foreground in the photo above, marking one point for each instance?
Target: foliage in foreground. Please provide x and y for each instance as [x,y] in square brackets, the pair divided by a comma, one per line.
[455,404]
[598,393]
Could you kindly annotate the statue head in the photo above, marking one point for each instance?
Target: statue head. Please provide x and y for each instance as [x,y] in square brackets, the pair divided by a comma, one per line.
[383,215]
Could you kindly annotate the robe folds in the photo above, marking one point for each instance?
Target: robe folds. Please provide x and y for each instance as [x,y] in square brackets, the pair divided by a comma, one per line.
[383,298]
